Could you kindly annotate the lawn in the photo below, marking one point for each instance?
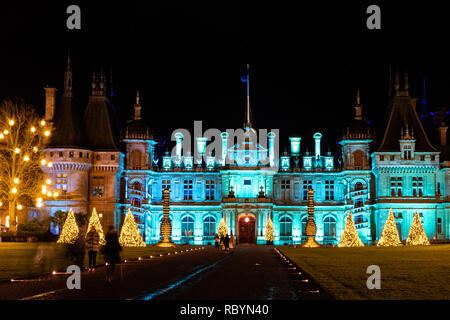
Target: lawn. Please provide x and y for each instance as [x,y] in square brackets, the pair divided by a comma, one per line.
[421,272]
[24,258]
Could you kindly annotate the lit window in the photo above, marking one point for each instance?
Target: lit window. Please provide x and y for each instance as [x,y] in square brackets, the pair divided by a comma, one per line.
[98,186]
[210,189]
[188,186]
[61,182]
[285,189]
[307,184]
[329,190]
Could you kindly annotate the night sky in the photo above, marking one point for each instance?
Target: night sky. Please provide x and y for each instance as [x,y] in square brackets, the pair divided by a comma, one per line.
[187,60]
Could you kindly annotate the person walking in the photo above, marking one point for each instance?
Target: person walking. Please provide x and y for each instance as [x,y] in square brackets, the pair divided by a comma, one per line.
[111,252]
[226,242]
[92,240]
[76,250]
[216,242]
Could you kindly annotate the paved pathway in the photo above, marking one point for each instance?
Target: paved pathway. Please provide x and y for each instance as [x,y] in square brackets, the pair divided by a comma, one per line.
[247,273]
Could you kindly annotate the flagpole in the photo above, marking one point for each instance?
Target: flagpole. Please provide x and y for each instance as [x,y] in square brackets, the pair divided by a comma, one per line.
[248,96]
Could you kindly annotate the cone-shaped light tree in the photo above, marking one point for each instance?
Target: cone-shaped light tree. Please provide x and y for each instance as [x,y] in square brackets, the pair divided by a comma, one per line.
[70,229]
[269,231]
[350,237]
[417,235]
[94,222]
[130,236]
[22,136]
[390,236]
[223,230]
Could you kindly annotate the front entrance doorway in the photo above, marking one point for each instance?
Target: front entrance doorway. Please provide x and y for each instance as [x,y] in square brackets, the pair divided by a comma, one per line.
[247,229]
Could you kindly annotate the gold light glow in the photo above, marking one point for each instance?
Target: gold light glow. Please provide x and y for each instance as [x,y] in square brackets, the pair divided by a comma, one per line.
[16,180]
[49,194]
[14,190]
[26,158]
[33,129]
[17,150]
[2,136]
[55,194]
[11,122]
[19,207]
[50,164]
[5,131]
[43,123]
[48,181]
[43,161]
[47,133]
[39,200]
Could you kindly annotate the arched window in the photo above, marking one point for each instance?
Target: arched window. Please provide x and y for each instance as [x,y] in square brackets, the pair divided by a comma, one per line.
[439,226]
[329,225]
[135,157]
[358,159]
[285,226]
[187,226]
[209,226]
[359,186]
[304,221]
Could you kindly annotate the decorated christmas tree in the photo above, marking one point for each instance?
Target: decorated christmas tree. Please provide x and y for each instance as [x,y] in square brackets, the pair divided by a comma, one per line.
[130,236]
[417,235]
[269,231]
[390,236]
[350,237]
[94,222]
[223,230]
[70,229]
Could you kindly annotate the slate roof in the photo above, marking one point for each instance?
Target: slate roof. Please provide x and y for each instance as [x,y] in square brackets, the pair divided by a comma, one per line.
[402,115]
[98,126]
[68,131]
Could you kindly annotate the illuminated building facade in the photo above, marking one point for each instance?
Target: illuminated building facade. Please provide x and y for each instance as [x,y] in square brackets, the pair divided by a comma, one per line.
[246,184]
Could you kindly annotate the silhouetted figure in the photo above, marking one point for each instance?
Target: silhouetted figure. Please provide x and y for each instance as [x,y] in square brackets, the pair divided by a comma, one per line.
[77,250]
[92,242]
[226,243]
[111,252]
[216,241]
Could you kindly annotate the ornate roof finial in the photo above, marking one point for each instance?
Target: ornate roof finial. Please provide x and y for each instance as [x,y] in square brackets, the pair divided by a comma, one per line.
[406,82]
[137,107]
[94,80]
[68,78]
[397,82]
[358,107]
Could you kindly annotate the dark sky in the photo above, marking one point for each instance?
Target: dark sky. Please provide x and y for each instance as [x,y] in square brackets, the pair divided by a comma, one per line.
[307,61]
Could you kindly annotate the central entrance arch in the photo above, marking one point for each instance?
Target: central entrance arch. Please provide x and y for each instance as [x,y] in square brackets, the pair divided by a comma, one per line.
[247,229]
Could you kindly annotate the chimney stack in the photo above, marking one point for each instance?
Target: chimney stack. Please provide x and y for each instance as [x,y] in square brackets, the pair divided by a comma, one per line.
[50,100]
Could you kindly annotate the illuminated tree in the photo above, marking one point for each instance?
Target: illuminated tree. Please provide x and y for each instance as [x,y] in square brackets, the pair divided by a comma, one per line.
[417,235]
[130,236]
[269,231]
[94,222]
[223,230]
[390,236]
[350,237]
[70,229]
[22,135]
